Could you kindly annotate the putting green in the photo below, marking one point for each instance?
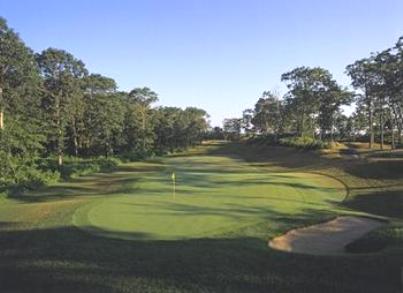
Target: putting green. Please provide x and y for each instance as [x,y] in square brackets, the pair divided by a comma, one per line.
[214,196]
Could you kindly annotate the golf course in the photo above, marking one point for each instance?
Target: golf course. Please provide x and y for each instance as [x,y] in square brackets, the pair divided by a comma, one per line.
[201,146]
[128,230]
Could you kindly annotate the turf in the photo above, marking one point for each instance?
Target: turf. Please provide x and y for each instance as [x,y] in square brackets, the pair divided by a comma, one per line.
[214,196]
[57,239]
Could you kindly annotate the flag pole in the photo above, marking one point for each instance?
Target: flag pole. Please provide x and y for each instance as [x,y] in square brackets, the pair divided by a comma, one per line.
[174,185]
[174,190]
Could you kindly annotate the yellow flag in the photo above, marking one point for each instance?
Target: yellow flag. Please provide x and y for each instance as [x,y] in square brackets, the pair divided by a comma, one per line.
[173,176]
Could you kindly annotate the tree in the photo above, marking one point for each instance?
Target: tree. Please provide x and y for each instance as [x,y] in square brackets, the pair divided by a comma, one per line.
[331,98]
[20,116]
[140,111]
[388,69]
[63,76]
[106,113]
[304,84]
[315,98]
[99,84]
[363,78]
[96,87]
[267,116]
[232,128]
[164,121]
[19,79]
[247,116]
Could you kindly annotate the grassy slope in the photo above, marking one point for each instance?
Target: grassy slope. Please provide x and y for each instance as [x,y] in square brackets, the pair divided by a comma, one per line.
[41,251]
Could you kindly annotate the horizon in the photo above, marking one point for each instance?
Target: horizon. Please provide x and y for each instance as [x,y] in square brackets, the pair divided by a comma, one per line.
[216,56]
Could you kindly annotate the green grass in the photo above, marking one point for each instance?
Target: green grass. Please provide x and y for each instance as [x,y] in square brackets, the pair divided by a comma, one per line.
[214,196]
[123,231]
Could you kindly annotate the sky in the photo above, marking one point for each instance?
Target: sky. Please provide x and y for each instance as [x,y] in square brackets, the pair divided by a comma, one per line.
[219,55]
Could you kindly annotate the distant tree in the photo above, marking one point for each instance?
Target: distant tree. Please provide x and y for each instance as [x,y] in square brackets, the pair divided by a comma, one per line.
[217,132]
[331,98]
[363,78]
[268,114]
[314,97]
[232,128]
[304,84]
[247,116]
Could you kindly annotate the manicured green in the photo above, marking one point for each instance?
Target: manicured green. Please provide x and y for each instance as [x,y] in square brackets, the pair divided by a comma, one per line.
[214,196]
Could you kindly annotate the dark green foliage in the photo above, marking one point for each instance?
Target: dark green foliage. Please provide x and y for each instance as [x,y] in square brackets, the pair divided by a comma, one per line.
[74,167]
[304,142]
[232,128]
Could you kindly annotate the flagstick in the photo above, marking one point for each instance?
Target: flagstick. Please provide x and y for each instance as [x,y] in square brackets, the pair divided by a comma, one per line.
[174,189]
[173,184]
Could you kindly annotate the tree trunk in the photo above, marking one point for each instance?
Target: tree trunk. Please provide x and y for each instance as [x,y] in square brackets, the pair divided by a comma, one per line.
[144,129]
[1,110]
[312,127]
[381,128]
[368,98]
[60,141]
[371,125]
[399,117]
[75,140]
[392,133]
[393,121]
[1,119]
[302,124]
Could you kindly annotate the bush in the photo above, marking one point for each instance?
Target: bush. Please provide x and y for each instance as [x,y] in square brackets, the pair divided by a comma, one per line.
[74,167]
[304,142]
[135,156]
[268,139]
[32,178]
[18,175]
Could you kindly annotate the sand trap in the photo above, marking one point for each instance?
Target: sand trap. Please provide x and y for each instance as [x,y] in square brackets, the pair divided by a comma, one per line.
[326,238]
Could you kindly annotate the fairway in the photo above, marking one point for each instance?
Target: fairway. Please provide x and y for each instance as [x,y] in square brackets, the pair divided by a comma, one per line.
[216,196]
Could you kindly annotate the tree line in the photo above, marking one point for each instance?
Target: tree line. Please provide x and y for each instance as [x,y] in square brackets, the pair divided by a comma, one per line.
[312,106]
[52,107]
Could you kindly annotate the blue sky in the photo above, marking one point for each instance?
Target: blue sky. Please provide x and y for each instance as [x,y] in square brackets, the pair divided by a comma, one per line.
[218,55]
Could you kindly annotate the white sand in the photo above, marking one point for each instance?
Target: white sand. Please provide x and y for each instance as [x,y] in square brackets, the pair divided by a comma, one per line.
[326,238]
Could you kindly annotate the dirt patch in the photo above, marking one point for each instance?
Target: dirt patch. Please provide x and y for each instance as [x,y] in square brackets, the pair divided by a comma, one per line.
[327,238]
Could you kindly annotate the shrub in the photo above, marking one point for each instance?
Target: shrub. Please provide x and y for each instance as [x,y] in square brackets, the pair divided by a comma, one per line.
[138,155]
[32,178]
[18,173]
[304,142]
[74,167]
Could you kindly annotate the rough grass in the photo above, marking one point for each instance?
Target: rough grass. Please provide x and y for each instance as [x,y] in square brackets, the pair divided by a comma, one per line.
[42,251]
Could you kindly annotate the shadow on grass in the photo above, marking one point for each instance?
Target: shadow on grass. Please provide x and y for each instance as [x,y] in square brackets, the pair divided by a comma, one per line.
[94,185]
[294,159]
[387,203]
[66,259]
